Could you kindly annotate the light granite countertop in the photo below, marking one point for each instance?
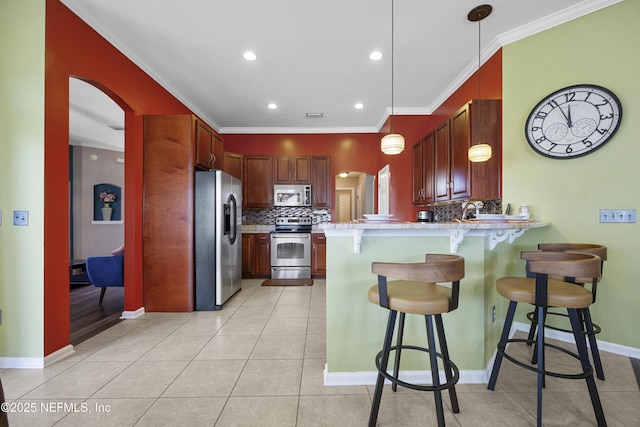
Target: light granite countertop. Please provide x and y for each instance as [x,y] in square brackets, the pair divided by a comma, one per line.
[496,232]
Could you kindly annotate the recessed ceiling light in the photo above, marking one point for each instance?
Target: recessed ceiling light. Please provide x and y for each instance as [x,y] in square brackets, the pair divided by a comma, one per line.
[358,106]
[375,55]
[249,56]
[272,106]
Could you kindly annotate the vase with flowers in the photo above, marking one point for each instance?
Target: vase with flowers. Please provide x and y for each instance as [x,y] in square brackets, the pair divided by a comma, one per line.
[107,197]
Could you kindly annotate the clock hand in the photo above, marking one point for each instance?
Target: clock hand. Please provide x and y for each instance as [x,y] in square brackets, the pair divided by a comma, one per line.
[565,116]
[569,123]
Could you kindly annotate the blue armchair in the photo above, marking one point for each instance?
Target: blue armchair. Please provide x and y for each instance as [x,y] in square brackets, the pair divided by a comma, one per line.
[105,271]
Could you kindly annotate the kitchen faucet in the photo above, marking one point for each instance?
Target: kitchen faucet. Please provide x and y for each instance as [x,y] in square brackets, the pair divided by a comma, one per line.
[466,214]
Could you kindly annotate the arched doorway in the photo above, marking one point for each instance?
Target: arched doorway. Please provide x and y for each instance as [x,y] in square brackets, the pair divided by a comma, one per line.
[96,160]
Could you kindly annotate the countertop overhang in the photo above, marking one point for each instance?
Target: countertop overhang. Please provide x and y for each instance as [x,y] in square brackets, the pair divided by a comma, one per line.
[456,231]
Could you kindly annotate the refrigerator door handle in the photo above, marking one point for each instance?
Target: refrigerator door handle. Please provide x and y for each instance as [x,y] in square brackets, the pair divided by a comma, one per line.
[231,219]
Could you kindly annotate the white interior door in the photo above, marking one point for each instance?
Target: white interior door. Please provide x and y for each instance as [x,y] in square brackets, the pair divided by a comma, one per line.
[383,190]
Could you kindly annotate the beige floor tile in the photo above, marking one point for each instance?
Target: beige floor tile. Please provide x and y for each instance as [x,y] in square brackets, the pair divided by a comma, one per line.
[241,326]
[206,378]
[202,324]
[142,379]
[177,347]
[290,310]
[343,411]
[286,326]
[316,347]
[193,411]
[489,410]
[279,347]
[36,415]
[108,412]
[228,347]
[269,378]
[267,411]
[317,325]
[129,347]
[80,381]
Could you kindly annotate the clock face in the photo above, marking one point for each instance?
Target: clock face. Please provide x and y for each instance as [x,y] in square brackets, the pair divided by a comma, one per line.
[573,121]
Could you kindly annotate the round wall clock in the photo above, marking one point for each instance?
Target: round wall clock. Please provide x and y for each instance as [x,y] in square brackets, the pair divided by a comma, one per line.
[573,121]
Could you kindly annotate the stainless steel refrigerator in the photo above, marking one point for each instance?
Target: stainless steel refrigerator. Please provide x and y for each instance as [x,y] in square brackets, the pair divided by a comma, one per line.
[218,238]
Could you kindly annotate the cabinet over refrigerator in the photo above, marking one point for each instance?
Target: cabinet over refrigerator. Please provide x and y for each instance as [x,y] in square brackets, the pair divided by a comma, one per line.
[218,238]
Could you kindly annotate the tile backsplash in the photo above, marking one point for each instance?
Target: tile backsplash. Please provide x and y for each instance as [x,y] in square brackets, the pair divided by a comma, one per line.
[446,212]
[268,216]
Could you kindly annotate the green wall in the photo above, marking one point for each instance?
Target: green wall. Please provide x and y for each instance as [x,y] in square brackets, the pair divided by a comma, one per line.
[22,176]
[600,48]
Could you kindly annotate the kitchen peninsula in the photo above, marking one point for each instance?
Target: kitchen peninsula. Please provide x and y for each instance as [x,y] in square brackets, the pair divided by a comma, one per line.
[355,327]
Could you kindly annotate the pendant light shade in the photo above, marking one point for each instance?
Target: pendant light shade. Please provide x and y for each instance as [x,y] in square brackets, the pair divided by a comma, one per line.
[479,153]
[392,143]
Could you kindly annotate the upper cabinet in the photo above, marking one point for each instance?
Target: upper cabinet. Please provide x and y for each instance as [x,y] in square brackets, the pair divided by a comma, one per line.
[257,182]
[292,170]
[441,167]
[232,164]
[321,181]
[260,173]
[423,163]
[209,150]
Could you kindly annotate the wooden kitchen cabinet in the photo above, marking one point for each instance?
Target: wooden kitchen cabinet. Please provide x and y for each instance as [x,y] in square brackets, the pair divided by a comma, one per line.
[321,180]
[453,176]
[209,150]
[169,146]
[232,164]
[318,254]
[256,255]
[292,170]
[423,172]
[441,162]
[257,182]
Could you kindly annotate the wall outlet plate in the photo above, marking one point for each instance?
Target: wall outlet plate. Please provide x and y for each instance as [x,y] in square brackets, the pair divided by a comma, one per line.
[20,217]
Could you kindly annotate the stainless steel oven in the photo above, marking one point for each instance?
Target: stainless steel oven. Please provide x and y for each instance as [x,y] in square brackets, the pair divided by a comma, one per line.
[291,248]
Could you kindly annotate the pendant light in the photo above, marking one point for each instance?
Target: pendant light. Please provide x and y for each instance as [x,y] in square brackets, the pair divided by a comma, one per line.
[393,143]
[479,152]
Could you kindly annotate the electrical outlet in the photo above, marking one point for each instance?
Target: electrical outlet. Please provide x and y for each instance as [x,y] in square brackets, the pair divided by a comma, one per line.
[20,217]
[618,215]
[0,217]
[493,314]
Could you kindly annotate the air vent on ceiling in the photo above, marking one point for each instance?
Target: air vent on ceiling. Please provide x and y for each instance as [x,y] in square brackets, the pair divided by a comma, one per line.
[315,115]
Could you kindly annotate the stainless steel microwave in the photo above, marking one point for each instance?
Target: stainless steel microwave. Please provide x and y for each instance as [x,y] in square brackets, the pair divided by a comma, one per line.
[292,195]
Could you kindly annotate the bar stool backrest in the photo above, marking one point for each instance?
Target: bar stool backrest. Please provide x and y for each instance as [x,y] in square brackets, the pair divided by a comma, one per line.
[437,268]
[564,264]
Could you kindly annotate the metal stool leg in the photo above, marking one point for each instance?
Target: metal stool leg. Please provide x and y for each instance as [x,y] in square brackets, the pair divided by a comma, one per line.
[435,376]
[581,343]
[396,365]
[453,396]
[588,328]
[375,405]
[540,361]
[532,330]
[502,345]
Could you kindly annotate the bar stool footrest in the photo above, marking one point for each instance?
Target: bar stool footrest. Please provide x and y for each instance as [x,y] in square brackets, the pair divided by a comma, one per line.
[531,314]
[525,365]
[455,377]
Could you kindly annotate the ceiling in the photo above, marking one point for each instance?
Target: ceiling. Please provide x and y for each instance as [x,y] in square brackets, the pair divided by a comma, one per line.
[312,57]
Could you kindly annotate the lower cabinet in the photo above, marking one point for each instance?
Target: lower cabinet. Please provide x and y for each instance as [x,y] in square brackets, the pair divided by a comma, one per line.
[318,254]
[256,255]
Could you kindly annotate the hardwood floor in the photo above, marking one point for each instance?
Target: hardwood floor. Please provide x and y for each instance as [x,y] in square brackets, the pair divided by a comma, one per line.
[87,316]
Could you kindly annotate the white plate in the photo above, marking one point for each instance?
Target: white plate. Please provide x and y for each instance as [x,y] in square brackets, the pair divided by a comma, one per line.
[378,221]
[378,216]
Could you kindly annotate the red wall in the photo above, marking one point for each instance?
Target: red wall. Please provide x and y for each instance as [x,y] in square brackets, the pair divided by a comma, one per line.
[361,152]
[74,49]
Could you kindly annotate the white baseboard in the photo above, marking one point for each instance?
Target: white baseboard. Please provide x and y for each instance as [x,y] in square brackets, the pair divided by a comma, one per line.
[36,362]
[132,314]
[466,377]
[416,377]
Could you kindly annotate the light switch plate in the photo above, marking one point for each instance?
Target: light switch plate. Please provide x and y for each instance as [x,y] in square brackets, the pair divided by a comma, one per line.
[618,215]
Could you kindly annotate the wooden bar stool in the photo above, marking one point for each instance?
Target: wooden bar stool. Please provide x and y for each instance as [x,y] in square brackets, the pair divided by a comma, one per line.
[544,291]
[415,291]
[590,332]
